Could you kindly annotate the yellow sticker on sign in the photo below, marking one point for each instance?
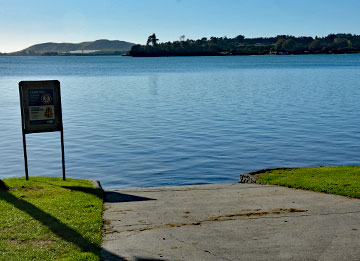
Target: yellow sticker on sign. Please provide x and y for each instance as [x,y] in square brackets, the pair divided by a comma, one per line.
[38,113]
[49,112]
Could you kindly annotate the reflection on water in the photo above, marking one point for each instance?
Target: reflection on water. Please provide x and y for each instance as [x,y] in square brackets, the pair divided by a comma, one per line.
[153,84]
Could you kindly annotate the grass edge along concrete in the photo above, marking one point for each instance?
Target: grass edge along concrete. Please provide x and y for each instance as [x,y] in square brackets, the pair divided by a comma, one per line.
[48,218]
[343,180]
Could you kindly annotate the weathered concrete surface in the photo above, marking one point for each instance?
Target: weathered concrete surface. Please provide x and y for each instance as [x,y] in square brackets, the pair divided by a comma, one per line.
[230,222]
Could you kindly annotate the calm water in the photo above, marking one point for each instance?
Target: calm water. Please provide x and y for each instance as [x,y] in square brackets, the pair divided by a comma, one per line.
[138,122]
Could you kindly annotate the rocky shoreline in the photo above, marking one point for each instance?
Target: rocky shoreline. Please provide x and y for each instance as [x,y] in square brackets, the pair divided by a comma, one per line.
[251,177]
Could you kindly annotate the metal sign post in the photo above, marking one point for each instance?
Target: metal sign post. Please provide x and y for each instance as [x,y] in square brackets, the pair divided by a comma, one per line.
[40,103]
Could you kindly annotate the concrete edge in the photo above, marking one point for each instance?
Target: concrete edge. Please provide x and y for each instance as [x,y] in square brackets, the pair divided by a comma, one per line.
[96,184]
[252,176]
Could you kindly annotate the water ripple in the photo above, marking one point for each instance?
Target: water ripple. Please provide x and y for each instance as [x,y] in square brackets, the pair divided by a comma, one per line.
[186,120]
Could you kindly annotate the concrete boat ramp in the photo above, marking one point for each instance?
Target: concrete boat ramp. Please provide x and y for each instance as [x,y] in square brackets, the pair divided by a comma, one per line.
[229,222]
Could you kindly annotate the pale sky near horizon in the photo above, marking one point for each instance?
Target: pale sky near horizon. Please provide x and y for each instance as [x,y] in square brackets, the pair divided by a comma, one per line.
[25,23]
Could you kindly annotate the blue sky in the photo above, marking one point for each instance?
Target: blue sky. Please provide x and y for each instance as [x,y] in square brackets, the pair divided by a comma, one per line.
[27,22]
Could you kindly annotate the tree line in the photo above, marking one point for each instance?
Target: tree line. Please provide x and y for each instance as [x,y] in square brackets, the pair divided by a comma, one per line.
[239,45]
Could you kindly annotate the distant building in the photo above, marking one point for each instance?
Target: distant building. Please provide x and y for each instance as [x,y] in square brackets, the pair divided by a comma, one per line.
[83,51]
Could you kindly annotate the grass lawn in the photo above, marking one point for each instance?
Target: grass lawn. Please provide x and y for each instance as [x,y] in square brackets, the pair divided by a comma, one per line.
[47,219]
[334,180]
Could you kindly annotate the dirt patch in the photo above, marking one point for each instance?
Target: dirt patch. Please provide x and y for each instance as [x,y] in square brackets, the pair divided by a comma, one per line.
[107,222]
[256,213]
[297,210]
[220,218]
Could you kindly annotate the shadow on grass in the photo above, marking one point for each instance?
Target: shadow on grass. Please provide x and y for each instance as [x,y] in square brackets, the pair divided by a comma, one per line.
[94,191]
[3,186]
[114,197]
[110,196]
[56,226]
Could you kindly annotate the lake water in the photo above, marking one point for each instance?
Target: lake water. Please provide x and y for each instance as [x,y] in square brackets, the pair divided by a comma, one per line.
[140,122]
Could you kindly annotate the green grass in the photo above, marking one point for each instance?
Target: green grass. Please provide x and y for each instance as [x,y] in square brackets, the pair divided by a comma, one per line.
[343,181]
[47,219]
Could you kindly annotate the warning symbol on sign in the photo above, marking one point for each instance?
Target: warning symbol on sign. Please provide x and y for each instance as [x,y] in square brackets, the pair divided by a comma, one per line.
[46,98]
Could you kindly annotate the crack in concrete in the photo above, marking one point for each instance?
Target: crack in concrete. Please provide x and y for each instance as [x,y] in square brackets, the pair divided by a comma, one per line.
[310,215]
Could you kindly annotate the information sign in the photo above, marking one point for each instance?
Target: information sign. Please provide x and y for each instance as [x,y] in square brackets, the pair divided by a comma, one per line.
[40,103]
[41,106]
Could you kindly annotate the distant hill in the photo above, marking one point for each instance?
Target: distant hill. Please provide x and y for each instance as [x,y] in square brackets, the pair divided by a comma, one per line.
[98,47]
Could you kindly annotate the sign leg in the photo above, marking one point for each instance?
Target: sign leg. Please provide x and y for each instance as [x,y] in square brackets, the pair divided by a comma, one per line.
[25,156]
[63,153]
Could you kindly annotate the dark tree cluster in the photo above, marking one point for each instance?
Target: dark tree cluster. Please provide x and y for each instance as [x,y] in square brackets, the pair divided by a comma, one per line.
[281,44]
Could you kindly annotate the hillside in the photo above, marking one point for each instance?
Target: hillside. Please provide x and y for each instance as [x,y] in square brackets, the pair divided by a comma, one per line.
[97,47]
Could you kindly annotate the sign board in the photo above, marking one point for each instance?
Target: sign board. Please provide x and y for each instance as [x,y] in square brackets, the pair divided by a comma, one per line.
[41,106]
[40,103]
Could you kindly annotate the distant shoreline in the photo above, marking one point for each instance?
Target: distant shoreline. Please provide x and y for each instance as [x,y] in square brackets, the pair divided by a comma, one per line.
[256,54]
[341,43]
[65,54]
[240,45]
[180,55]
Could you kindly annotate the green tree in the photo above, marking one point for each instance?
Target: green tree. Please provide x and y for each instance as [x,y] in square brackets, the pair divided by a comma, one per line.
[341,43]
[316,45]
[240,38]
[279,44]
[152,40]
[289,45]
